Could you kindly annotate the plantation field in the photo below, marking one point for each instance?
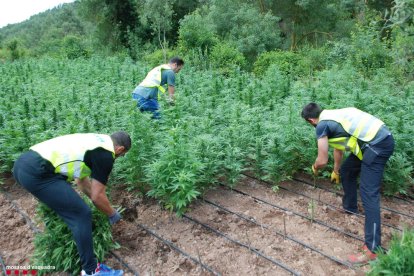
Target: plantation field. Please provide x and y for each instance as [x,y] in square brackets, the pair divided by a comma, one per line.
[250,230]
[231,158]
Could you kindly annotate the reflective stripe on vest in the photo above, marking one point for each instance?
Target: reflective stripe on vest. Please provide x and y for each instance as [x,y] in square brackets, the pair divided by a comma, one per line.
[153,78]
[66,153]
[360,125]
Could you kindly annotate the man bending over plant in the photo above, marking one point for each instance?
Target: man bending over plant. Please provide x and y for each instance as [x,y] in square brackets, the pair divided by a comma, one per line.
[47,169]
[371,144]
[146,93]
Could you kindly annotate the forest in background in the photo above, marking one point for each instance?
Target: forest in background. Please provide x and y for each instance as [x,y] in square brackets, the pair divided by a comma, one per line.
[224,33]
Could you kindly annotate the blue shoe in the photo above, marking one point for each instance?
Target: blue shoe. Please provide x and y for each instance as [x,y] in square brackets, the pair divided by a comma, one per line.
[103,270]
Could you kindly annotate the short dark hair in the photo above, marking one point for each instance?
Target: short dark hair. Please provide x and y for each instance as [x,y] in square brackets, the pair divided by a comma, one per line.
[121,138]
[311,110]
[177,60]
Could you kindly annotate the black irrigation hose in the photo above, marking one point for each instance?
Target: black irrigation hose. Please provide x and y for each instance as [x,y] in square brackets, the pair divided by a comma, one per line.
[256,251]
[340,194]
[3,266]
[119,259]
[296,213]
[36,230]
[252,220]
[32,226]
[410,200]
[170,244]
[318,200]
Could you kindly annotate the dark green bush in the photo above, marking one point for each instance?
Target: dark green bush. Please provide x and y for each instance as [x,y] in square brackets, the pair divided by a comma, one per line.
[286,61]
[196,33]
[225,57]
[157,57]
[73,47]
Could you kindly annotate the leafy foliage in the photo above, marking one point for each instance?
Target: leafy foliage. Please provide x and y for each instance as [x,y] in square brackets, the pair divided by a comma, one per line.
[399,258]
[196,33]
[55,245]
[286,61]
[225,57]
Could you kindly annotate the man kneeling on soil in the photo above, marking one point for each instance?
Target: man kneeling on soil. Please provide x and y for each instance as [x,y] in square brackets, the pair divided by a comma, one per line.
[48,167]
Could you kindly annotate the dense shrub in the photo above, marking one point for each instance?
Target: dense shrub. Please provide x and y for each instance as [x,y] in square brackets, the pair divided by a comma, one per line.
[196,32]
[369,52]
[286,61]
[225,57]
[74,48]
[242,24]
[402,51]
[157,57]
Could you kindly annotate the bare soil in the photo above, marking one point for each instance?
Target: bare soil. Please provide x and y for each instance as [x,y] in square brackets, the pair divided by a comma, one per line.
[248,230]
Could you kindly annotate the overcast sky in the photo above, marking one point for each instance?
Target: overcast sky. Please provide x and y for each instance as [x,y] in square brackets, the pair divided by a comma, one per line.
[15,11]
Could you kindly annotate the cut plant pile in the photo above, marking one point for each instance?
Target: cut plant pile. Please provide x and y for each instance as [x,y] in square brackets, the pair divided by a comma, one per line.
[227,231]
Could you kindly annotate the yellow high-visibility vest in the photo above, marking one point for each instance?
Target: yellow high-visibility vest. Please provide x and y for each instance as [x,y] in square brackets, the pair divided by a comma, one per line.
[153,78]
[359,124]
[66,153]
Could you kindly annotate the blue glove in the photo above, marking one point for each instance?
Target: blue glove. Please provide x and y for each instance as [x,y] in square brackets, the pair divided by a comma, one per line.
[114,218]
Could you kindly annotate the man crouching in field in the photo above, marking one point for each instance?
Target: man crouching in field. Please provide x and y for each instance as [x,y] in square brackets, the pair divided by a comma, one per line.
[48,167]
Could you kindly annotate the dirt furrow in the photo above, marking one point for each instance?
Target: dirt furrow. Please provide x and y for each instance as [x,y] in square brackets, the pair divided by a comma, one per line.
[351,224]
[329,242]
[220,254]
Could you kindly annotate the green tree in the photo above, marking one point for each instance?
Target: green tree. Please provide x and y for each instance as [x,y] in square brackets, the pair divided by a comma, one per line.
[73,47]
[243,25]
[402,25]
[196,32]
[157,14]
[114,19]
[12,46]
[313,21]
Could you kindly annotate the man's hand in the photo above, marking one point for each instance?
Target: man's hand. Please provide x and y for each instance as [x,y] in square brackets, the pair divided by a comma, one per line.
[335,178]
[115,217]
[315,170]
[170,101]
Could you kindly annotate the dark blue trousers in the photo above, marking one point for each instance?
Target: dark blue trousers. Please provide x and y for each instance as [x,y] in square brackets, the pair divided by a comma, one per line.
[370,170]
[150,105]
[37,176]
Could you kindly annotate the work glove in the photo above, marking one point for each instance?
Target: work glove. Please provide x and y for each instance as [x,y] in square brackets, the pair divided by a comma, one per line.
[335,178]
[114,218]
[170,101]
[314,170]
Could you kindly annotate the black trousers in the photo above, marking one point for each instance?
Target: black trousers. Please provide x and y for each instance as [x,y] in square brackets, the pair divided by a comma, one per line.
[37,176]
[370,171]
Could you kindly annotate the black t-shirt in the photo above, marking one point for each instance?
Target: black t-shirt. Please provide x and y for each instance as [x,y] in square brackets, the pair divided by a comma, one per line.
[100,161]
[331,129]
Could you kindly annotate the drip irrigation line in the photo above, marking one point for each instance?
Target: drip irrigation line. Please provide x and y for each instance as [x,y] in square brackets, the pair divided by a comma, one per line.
[256,251]
[36,230]
[28,220]
[172,245]
[3,266]
[320,201]
[341,194]
[119,259]
[296,213]
[410,200]
[252,220]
